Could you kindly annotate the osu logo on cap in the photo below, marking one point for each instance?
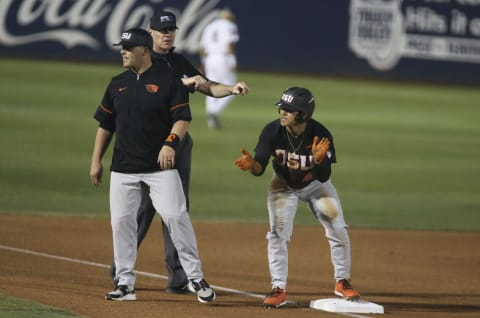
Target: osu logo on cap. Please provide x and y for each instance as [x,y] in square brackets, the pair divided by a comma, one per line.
[126,35]
[287,98]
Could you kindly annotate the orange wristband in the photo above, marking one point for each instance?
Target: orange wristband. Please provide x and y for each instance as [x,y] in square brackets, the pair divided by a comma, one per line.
[172,141]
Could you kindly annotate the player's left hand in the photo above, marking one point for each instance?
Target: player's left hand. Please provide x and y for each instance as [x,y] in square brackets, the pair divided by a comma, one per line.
[196,81]
[319,149]
[245,162]
[166,158]
[240,88]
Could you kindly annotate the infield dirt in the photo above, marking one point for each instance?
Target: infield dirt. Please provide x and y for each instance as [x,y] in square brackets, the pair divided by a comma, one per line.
[411,273]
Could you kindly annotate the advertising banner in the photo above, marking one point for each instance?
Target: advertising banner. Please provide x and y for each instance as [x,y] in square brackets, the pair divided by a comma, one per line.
[421,40]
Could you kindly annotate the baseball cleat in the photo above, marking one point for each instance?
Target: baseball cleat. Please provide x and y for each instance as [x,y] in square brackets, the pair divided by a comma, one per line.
[345,290]
[121,293]
[276,299]
[205,293]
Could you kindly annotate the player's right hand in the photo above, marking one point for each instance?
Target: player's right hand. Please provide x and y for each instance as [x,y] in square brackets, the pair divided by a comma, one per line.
[96,171]
[245,162]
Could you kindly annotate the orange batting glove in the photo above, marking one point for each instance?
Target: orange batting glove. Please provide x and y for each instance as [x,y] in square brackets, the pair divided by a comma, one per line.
[245,162]
[319,149]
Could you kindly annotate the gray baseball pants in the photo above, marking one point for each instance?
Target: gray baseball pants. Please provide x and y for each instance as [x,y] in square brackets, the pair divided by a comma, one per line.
[322,199]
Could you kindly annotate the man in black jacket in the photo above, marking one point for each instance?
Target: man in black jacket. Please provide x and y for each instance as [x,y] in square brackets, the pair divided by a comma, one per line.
[163,27]
[149,113]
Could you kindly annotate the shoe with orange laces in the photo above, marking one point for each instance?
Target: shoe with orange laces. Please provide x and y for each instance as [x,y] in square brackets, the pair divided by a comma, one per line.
[345,290]
[276,299]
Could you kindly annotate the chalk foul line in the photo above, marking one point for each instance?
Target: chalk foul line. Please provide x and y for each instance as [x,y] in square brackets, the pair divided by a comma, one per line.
[142,273]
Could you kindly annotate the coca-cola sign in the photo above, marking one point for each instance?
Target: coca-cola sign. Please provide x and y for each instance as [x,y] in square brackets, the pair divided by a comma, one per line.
[385,39]
[95,24]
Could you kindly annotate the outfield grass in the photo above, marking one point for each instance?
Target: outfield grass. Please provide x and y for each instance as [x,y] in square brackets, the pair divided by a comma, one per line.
[408,155]
[11,307]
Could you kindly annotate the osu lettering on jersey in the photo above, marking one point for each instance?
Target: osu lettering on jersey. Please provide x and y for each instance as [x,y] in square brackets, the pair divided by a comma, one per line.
[292,157]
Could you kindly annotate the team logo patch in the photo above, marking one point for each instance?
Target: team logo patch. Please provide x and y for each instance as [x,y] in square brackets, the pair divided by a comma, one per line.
[152,88]
[287,98]
[126,35]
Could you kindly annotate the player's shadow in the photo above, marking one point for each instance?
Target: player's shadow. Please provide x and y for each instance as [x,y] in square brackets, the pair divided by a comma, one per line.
[439,302]
[224,299]
[410,307]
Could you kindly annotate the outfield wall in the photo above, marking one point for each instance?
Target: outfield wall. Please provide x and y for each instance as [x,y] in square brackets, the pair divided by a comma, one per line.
[421,40]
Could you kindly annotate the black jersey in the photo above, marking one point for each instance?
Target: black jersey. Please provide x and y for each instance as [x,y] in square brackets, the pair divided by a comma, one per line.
[292,157]
[141,110]
[179,65]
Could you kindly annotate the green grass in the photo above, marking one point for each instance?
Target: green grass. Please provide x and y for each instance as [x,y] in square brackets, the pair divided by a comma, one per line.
[14,307]
[408,155]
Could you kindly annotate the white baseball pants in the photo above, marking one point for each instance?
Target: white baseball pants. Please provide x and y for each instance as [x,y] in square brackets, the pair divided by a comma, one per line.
[220,68]
[169,201]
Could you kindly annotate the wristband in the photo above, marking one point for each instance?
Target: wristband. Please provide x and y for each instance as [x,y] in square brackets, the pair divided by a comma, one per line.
[172,141]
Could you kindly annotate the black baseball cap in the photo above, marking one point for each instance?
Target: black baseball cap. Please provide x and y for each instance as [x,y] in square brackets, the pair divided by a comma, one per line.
[136,37]
[162,20]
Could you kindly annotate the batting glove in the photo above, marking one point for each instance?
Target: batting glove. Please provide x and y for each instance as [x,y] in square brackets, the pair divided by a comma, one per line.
[245,162]
[319,149]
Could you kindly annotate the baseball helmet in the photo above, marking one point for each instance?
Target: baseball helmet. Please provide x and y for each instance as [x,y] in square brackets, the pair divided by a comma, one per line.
[297,99]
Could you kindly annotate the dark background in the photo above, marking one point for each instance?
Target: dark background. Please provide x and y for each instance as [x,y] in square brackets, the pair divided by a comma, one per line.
[275,36]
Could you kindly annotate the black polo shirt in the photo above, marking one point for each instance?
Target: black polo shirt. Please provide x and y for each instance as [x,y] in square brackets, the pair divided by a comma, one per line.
[141,110]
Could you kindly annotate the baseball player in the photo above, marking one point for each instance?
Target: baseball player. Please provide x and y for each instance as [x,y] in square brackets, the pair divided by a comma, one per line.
[302,151]
[149,113]
[163,28]
[219,61]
